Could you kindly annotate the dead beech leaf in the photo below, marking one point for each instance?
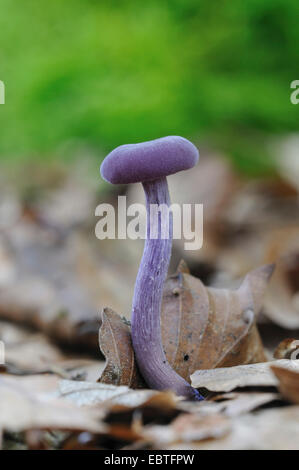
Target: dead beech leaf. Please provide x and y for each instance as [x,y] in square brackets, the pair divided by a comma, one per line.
[89,393]
[250,375]
[282,299]
[126,415]
[28,352]
[287,349]
[288,382]
[188,428]
[32,403]
[81,369]
[116,346]
[61,315]
[230,404]
[205,327]
[237,403]
[273,429]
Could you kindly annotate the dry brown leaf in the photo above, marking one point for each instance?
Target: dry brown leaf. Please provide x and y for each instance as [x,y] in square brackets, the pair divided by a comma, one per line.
[282,299]
[230,404]
[27,352]
[237,403]
[287,349]
[274,429]
[79,369]
[204,327]
[250,375]
[116,346]
[44,402]
[89,393]
[288,382]
[125,415]
[33,403]
[61,315]
[188,428]
[125,411]
[255,220]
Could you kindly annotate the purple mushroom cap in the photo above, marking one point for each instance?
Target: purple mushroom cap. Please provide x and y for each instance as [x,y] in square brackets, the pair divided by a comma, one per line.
[135,163]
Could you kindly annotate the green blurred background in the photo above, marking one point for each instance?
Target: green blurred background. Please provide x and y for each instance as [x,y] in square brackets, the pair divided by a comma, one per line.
[99,74]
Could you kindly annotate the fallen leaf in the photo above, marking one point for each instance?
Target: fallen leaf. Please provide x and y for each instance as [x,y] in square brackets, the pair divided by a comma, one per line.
[86,393]
[287,349]
[126,414]
[31,403]
[204,327]
[237,403]
[116,346]
[288,382]
[250,225]
[230,404]
[273,429]
[188,428]
[89,393]
[28,352]
[63,316]
[251,375]
[282,298]
[81,369]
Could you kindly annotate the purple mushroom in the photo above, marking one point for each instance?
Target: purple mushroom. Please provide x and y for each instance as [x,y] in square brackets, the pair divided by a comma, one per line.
[149,163]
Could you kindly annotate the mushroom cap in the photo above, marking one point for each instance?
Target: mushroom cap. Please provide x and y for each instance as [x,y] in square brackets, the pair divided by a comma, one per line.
[136,163]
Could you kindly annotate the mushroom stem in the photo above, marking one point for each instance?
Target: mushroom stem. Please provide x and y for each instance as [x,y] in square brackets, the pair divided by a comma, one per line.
[147,301]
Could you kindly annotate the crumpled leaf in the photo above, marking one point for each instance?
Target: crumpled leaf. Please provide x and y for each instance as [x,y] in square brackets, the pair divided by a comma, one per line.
[116,346]
[250,375]
[204,327]
[288,382]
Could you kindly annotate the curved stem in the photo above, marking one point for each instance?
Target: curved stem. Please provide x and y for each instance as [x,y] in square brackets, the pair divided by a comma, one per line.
[146,310]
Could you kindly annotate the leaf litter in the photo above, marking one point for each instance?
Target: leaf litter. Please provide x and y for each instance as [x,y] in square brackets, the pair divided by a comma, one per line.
[56,390]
